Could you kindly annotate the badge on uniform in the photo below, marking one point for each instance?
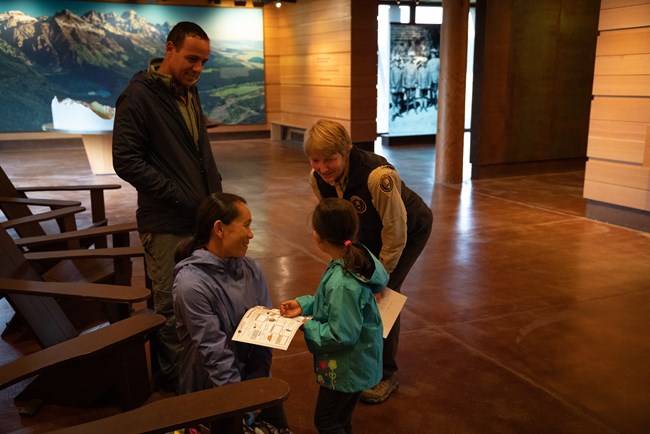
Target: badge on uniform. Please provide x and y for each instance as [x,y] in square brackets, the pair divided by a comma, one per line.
[386,183]
[359,204]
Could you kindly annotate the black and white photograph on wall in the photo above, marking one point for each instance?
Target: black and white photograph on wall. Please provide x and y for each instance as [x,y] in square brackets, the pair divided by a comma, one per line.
[413,79]
[67,58]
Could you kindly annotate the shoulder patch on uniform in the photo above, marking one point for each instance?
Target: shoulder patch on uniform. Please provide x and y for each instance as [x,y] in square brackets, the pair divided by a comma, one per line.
[386,183]
[358,204]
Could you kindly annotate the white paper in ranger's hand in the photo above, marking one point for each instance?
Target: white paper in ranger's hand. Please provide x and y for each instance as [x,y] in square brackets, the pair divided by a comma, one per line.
[390,304]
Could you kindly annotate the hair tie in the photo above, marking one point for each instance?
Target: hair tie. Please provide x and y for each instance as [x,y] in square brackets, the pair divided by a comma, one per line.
[347,243]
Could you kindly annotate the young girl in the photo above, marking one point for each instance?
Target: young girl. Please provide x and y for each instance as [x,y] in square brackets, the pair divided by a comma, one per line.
[345,332]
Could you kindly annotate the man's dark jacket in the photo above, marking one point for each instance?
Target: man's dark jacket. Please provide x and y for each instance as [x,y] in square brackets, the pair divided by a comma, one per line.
[154,151]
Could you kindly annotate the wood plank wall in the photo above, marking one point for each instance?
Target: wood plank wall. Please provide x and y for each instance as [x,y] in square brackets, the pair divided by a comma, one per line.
[532,86]
[321,60]
[618,169]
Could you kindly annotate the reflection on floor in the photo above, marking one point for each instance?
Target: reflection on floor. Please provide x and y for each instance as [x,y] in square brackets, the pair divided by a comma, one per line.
[522,315]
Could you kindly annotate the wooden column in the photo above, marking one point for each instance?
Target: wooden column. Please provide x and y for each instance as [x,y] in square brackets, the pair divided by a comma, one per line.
[451,92]
[363,74]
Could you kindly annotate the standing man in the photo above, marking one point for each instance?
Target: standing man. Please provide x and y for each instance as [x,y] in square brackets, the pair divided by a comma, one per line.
[397,86]
[161,147]
[433,67]
[410,82]
[424,82]
[394,222]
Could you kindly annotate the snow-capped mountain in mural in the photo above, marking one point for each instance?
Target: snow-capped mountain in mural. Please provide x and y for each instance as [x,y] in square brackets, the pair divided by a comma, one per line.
[89,57]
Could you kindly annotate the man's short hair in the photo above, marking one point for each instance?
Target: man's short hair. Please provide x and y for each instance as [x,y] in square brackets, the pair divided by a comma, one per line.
[183,30]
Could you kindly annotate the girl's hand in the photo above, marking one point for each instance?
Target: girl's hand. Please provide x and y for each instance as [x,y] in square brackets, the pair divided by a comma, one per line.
[379,296]
[290,308]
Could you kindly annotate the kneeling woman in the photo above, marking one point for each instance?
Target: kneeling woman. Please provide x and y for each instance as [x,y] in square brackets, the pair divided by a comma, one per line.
[214,285]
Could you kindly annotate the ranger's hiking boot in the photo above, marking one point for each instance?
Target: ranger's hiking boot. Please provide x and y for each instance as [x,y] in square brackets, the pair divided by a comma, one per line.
[381,391]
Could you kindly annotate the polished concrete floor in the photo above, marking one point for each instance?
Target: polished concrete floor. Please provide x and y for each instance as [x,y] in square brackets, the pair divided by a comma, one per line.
[522,316]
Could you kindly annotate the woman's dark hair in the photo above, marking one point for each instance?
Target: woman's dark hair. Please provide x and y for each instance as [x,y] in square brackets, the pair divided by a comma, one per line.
[217,206]
[335,221]
[184,29]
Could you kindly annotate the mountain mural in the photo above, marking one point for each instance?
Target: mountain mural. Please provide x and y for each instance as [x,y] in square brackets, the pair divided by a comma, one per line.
[91,57]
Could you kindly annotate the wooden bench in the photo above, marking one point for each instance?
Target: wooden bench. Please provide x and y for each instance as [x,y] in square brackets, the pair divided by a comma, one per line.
[84,369]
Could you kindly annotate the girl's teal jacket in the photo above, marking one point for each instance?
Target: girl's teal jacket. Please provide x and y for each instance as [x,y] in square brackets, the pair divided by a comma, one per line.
[345,333]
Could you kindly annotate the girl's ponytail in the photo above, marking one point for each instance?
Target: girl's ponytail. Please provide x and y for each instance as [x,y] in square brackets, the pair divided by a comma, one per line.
[357,260]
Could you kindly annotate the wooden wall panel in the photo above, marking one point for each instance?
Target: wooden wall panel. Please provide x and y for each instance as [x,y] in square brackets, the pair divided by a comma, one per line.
[618,42]
[637,177]
[617,195]
[364,128]
[273,101]
[624,130]
[303,121]
[326,24]
[319,96]
[322,43]
[318,68]
[572,82]
[605,182]
[618,170]
[314,50]
[611,4]
[618,141]
[327,69]
[627,151]
[621,85]
[630,64]
[311,12]
[272,70]
[330,102]
[363,110]
[646,159]
[491,98]
[531,93]
[621,109]
[622,65]
[637,15]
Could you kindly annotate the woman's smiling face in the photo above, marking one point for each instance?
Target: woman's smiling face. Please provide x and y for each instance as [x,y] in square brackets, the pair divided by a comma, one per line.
[330,168]
[238,233]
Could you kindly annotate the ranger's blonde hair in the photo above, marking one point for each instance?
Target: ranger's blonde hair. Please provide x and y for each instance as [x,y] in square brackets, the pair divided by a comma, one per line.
[326,138]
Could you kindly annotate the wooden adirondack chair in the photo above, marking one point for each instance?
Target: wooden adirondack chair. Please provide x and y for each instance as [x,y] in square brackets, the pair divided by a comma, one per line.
[21,208]
[55,315]
[220,409]
[82,370]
